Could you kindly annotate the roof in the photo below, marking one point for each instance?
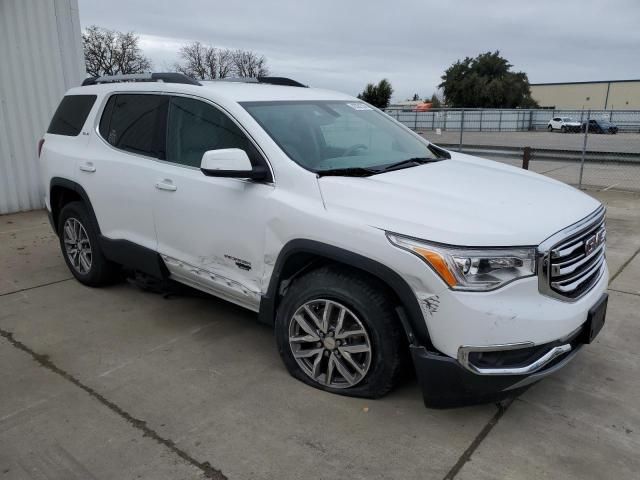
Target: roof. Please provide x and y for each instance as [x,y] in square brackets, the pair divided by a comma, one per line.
[582,83]
[233,91]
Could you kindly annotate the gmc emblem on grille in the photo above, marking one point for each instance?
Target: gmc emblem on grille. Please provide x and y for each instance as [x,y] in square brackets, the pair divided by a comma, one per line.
[594,241]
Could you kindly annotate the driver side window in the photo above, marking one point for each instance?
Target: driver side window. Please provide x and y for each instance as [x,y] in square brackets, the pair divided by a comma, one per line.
[195,127]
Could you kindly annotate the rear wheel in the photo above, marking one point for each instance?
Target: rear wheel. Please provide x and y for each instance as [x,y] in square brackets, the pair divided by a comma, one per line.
[81,249]
[550,128]
[338,331]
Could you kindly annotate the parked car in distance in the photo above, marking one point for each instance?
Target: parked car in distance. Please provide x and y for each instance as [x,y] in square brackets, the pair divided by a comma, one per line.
[366,248]
[564,124]
[600,126]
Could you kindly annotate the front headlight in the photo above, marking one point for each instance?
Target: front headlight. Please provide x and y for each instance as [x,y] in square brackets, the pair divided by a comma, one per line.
[475,269]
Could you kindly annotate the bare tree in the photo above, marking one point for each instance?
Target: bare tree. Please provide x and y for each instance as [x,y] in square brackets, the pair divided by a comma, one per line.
[205,62]
[249,64]
[109,52]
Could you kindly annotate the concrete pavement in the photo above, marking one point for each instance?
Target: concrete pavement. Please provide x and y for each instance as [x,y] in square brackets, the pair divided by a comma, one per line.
[120,383]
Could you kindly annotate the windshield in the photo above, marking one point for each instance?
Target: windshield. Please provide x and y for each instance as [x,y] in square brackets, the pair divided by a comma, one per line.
[568,119]
[330,135]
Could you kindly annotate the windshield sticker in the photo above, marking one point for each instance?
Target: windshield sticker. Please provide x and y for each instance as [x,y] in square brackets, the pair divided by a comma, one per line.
[359,106]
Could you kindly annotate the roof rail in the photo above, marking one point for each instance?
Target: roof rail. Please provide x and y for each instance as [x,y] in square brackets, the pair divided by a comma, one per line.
[235,80]
[166,77]
[288,82]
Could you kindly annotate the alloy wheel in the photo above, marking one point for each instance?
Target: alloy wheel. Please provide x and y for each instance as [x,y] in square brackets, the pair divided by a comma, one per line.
[330,343]
[77,246]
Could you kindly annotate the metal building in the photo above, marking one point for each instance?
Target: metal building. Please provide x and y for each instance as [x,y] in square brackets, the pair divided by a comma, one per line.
[601,95]
[40,57]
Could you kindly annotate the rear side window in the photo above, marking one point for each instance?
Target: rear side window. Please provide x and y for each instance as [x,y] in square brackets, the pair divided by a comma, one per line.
[71,115]
[136,123]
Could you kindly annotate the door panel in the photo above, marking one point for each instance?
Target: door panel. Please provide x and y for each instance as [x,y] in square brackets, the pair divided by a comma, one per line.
[120,170]
[210,230]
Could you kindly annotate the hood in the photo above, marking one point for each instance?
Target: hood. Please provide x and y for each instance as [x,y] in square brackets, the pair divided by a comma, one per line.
[462,201]
[573,123]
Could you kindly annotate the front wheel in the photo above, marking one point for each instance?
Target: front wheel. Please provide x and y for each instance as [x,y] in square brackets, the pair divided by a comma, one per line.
[338,331]
[550,128]
[563,129]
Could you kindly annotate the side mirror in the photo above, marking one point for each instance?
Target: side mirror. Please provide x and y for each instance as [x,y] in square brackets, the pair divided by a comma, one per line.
[230,163]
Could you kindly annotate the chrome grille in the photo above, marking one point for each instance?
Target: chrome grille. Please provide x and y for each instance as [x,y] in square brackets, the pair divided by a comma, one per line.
[573,260]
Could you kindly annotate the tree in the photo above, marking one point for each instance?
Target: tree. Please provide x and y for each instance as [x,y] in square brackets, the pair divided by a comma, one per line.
[205,62]
[415,97]
[435,101]
[486,82]
[377,95]
[249,64]
[109,52]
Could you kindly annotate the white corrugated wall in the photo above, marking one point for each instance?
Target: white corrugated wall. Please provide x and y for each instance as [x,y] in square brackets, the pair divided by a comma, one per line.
[40,58]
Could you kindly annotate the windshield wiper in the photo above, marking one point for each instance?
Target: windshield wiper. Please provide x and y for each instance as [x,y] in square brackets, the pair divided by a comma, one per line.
[409,162]
[348,172]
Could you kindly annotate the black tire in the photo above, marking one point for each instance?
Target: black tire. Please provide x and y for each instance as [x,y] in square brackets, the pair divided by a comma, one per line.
[367,300]
[550,128]
[101,271]
[563,129]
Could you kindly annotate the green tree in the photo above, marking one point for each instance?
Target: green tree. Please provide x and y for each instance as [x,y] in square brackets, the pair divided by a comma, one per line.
[377,95]
[486,82]
[435,101]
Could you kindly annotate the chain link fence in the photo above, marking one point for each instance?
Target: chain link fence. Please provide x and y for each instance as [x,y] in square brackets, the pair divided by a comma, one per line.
[600,151]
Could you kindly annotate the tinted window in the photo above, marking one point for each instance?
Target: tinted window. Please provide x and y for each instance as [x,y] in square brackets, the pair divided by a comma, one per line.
[195,127]
[136,123]
[71,115]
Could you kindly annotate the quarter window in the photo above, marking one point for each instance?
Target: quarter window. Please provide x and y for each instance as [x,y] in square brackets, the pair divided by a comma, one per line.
[71,115]
[136,123]
[195,127]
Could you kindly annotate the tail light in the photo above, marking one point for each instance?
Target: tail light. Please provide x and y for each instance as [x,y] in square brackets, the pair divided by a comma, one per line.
[40,145]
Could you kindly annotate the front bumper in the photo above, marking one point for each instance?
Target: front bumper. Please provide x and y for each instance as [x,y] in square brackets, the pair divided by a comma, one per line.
[447,382]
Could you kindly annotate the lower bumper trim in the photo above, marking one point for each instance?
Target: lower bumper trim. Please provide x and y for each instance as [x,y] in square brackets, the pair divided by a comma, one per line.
[447,384]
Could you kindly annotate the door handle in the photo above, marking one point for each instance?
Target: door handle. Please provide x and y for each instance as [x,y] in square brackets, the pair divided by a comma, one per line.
[167,185]
[88,167]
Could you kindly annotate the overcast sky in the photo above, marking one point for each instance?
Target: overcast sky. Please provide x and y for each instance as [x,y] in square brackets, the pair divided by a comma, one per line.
[343,44]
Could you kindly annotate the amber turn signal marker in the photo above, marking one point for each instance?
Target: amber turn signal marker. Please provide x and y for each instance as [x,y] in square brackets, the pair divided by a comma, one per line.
[438,263]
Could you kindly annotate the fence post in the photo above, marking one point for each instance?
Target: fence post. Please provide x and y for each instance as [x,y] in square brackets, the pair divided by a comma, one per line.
[481,119]
[461,130]
[530,120]
[584,148]
[526,156]
[446,114]
[500,121]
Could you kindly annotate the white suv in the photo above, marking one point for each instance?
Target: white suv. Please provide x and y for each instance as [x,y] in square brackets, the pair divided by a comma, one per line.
[564,124]
[358,240]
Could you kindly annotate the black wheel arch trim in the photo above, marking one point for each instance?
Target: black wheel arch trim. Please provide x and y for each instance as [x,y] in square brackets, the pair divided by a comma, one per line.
[77,188]
[123,252]
[409,310]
